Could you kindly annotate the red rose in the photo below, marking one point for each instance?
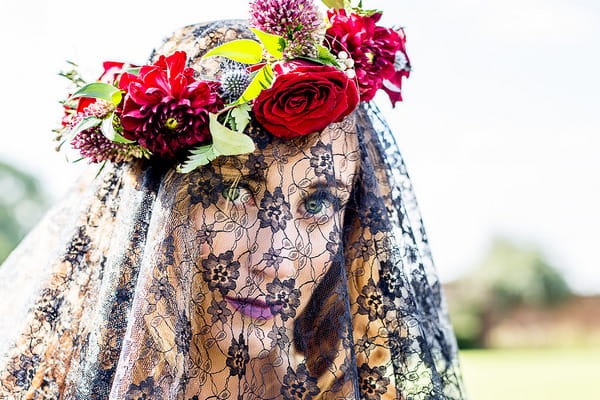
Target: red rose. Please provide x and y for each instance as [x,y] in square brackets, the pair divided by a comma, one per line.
[305,98]
[165,109]
[373,48]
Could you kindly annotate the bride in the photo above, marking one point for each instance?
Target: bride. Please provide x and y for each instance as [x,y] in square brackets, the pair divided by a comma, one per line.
[298,270]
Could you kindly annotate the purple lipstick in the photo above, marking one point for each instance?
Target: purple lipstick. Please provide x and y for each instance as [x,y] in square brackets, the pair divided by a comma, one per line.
[253,308]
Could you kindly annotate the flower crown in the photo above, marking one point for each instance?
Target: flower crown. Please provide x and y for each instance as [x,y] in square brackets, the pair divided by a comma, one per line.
[302,74]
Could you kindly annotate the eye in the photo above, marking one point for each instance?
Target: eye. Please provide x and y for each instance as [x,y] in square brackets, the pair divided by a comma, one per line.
[231,193]
[319,203]
[238,195]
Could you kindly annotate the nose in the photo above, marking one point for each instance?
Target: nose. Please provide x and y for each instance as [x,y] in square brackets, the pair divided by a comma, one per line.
[268,255]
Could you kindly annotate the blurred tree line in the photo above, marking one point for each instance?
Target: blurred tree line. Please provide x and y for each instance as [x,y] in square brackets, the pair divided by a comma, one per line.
[22,203]
[509,276]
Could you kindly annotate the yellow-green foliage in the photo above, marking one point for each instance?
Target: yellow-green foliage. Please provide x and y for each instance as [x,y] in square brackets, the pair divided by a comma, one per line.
[528,374]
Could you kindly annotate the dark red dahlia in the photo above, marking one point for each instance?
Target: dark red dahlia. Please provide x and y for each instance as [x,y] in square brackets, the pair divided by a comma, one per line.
[165,109]
[373,48]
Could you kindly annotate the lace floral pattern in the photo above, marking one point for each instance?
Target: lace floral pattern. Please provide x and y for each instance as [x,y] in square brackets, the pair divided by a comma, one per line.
[274,211]
[221,273]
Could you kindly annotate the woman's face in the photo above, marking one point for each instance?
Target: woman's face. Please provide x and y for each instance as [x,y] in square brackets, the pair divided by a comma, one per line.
[269,224]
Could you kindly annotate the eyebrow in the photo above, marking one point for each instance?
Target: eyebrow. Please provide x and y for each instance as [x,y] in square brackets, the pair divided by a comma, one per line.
[234,174]
[338,184]
[231,173]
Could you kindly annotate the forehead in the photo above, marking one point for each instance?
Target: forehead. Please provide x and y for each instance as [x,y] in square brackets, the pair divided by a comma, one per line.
[337,143]
[329,158]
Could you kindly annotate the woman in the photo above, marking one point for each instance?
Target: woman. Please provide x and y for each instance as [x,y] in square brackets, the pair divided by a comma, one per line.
[299,271]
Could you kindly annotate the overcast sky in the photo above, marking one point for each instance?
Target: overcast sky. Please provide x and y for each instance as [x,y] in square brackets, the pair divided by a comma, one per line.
[500,127]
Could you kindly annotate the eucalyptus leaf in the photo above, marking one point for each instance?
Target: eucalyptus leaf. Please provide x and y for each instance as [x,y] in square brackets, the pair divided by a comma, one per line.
[199,156]
[99,90]
[262,80]
[245,51]
[273,44]
[108,130]
[241,116]
[227,142]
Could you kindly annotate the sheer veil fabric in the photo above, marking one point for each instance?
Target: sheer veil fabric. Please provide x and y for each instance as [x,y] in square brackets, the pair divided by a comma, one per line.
[300,271]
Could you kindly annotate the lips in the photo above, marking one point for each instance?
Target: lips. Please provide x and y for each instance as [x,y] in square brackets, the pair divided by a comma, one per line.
[253,308]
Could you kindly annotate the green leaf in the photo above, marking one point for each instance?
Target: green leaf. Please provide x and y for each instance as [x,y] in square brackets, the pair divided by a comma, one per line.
[98,90]
[241,116]
[133,71]
[225,143]
[326,57]
[108,130]
[84,124]
[273,44]
[339,4]
[262,80]
[245,51]
[200,156]
[100,169]
[365,13]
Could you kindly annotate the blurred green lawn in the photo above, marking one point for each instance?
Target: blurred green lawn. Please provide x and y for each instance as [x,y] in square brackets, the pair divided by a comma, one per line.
[532,374]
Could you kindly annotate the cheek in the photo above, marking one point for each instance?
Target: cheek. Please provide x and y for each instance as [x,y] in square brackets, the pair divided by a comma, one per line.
[309,277]
[203,224]
[310,274]
[324,243]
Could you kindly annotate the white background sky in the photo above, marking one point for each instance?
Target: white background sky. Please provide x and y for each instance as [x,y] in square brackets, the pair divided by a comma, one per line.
[500,127]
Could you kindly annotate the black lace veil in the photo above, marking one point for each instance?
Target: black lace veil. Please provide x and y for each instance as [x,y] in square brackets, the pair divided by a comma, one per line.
[300,271]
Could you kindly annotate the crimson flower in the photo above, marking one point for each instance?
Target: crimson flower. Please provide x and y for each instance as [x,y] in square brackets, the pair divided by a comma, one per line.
[393,84]
[83,103]
[112,71]
[373,49]
[165,109]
